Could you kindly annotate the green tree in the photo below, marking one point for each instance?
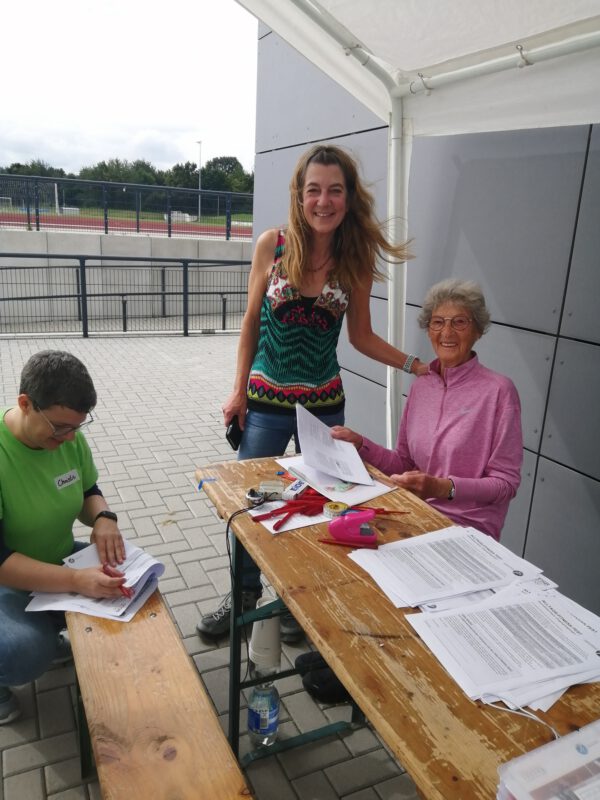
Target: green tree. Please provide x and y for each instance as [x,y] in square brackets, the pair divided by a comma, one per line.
[183,176]
[117,171]
[35,167]
[141,171]
[226,174]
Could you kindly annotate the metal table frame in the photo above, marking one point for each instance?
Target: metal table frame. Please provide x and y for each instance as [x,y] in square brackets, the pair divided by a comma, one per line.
[238,622]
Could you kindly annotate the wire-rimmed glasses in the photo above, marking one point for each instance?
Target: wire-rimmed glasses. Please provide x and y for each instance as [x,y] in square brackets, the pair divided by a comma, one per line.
[459,323]
[64,430]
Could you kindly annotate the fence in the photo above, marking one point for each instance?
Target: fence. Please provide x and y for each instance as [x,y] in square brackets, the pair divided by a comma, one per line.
[125,294]
[69,204]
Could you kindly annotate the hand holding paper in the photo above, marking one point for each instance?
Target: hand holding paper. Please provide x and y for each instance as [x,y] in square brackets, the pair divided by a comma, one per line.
[332,456]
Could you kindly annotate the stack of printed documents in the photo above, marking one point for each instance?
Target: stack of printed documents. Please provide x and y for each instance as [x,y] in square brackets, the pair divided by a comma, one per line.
[142,572]
[497,625]
[566,769]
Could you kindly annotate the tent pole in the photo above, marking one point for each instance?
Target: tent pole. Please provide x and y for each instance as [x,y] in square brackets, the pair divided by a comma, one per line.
[399,153]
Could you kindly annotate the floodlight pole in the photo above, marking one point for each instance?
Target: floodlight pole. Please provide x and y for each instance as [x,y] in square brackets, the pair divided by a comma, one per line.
[199,143]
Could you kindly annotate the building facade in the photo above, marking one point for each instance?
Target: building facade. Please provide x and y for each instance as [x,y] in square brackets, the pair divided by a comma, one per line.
[517,211]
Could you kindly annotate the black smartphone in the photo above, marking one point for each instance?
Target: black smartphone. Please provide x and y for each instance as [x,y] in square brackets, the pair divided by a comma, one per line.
[233,434]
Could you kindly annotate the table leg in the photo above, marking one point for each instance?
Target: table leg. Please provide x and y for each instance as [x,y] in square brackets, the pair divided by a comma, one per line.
[85,745]
[235,647]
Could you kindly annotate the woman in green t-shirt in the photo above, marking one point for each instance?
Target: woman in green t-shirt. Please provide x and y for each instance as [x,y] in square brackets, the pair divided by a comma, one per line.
[47,481]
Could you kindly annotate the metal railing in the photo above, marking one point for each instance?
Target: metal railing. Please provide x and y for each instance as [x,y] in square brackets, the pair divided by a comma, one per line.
[70,204]
[61,294]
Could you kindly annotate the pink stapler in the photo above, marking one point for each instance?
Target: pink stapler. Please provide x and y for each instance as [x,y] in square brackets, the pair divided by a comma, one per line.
[353,529]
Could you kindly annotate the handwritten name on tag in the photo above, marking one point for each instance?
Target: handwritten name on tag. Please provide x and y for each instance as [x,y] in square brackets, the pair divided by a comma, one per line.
[67,479]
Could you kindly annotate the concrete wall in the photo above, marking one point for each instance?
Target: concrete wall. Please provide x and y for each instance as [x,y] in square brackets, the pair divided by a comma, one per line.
[62,280]
[518,212]
[109,245]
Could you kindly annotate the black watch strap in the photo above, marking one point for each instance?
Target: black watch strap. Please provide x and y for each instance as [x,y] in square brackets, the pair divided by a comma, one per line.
[106,513]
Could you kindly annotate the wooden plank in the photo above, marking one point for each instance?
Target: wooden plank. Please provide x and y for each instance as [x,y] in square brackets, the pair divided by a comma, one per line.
[450,745]
[153,728]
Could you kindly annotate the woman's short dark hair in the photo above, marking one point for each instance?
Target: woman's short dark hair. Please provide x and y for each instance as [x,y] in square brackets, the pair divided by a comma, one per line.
[464,293]
[56,378]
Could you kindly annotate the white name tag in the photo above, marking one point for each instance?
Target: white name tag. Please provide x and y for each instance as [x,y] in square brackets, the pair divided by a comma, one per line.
[67,479]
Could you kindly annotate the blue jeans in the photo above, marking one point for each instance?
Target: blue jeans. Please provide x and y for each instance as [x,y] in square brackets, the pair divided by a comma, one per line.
[268,434]
[28,639]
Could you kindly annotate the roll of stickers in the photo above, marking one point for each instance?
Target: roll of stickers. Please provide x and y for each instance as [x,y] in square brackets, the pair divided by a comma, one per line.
[332,510]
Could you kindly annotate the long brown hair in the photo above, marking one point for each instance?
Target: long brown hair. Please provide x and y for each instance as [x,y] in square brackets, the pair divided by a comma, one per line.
[357,241]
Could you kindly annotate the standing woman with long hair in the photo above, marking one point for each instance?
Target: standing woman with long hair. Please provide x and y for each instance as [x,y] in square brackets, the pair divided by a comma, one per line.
[303,280]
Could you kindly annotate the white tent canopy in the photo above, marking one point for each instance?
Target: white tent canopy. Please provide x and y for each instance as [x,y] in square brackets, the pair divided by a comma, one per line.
[427,67]
[502,64]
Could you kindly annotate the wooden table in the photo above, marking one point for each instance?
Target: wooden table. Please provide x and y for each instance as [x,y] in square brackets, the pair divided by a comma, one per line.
[450,746]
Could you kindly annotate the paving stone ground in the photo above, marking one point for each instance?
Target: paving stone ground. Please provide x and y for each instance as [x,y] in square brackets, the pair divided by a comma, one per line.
[158,418]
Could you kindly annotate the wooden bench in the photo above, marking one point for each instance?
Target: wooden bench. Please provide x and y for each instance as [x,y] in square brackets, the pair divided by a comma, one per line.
[153,729]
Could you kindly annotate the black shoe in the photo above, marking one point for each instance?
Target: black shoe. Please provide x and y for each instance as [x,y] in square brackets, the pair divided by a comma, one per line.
[289,629]
[324,686]
[306,662]
[217,622]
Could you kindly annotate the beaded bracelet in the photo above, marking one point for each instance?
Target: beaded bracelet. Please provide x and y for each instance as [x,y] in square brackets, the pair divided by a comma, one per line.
[408,363]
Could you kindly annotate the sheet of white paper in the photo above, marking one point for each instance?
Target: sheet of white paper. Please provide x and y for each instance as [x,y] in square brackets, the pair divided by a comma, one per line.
[502,645]
[388,583]
[527,586]
[297,521]
[331,456]
[120,608]
[136,564]
[541,695]
[142,572]
[335,489]
[450,562]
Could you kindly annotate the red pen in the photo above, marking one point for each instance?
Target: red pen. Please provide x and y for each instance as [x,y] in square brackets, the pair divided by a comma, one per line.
[125,591]
[378,510]
[356,544]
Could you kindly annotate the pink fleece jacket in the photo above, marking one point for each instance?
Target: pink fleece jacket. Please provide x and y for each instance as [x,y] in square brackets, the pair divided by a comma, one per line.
[467,429]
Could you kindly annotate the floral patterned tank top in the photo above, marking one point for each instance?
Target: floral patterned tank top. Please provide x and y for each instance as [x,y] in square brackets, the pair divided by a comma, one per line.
[296,359]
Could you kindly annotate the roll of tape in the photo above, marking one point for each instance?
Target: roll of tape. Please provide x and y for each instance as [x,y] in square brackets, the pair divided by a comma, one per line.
[332,510]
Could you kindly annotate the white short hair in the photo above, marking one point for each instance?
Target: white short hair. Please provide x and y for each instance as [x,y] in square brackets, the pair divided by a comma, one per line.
[463,293]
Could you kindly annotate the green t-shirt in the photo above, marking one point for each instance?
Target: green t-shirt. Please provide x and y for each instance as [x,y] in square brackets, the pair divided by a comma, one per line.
[41,494]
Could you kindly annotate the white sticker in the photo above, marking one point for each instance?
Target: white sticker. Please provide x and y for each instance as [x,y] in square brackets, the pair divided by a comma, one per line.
[67,479]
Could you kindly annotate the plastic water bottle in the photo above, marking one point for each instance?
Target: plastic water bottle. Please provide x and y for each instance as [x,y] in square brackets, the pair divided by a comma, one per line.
[263,708]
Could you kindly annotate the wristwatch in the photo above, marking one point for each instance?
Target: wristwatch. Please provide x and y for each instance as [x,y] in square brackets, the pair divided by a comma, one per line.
[106,513]
[452,491]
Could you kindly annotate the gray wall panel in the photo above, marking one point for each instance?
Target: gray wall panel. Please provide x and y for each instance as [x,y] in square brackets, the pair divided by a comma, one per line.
[352,359]
[564,536]
[572,430]
[415,338]
[515,527]
[365,406]
[288,88]
[526,358]
[273,171]
[498,208]
[581,319]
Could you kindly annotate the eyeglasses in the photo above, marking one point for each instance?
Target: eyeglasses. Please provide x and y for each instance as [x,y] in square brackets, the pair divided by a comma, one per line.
[459,323]
[64,430]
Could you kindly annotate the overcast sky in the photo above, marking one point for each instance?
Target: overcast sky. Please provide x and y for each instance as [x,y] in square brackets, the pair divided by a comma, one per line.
[84,81]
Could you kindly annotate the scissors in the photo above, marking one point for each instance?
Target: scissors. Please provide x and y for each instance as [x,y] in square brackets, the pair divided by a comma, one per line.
[310,507]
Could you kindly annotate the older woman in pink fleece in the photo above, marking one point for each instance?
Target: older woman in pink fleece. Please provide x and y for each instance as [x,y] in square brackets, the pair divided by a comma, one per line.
[460,444]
